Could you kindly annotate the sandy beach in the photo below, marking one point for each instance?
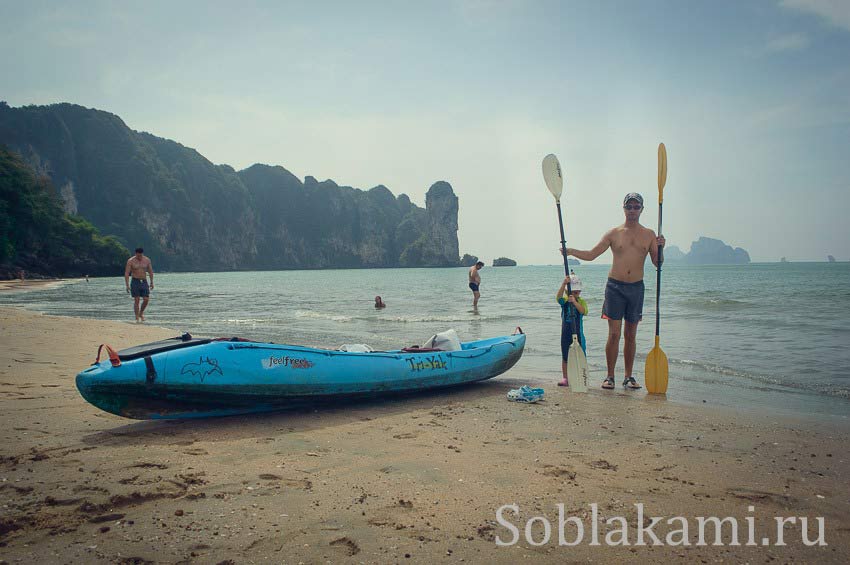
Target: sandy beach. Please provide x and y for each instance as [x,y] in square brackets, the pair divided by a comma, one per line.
[415,479]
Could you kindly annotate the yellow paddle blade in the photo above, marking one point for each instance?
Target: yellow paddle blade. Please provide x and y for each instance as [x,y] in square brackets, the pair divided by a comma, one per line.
[577,367]
[662,171]
[656,371]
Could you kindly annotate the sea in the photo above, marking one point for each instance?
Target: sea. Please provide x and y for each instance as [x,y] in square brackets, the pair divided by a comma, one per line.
[770,338]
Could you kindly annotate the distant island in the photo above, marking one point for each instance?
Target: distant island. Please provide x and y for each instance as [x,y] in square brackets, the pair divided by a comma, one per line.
[830,258]
[468,260]
[504,262]
[707,251]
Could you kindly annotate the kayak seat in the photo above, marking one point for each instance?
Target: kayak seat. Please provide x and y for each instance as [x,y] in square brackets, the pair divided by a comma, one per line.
[170,344]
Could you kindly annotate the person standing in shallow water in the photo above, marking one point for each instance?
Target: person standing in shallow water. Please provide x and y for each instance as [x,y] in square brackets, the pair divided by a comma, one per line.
[629,243]
[139,267]
[475,282]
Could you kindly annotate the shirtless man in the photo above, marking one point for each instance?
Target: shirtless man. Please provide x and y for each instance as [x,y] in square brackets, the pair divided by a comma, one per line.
[475,282]
[629,244]
[139,266]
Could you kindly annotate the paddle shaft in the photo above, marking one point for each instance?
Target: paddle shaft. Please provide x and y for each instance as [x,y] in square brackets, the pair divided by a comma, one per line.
[566,261]
[658,279]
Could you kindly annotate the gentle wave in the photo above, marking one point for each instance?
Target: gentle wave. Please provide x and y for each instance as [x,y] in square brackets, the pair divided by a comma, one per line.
[450,318]
[834,390]
[444,319]
[322,316]
[715,304]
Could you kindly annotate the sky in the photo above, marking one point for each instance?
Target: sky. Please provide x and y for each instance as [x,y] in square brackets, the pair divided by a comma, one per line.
[751,99]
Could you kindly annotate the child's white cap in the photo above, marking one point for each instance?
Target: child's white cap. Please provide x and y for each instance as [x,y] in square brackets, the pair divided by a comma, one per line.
[575,282]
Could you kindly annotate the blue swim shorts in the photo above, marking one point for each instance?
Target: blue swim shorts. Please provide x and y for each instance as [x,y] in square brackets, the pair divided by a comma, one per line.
[473,287]
[623,301]
[139,288]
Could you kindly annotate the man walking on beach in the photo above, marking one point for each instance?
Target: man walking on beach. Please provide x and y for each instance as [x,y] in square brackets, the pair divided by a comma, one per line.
[629,243]
[475,282]
[138,266]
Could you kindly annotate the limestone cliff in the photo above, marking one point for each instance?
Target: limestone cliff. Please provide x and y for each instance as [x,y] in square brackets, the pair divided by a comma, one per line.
[190,214]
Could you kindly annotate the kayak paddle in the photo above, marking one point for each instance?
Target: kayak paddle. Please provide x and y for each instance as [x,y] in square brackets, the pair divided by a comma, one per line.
[576,360]
[656,361]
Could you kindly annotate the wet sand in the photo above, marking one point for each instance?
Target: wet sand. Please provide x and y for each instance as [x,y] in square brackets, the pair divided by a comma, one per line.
[32,284]
[415,479]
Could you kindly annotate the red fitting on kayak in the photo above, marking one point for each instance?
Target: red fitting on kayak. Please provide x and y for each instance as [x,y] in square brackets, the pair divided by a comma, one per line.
[518,330]
[113,357]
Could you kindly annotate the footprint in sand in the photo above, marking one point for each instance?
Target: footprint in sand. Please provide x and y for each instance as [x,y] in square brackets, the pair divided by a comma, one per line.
[148,466]
[604,465]
[760,496]
[298,483]
[347,544]
[558,472]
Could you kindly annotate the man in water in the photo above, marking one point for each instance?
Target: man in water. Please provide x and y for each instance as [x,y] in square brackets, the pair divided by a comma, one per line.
[138,266]
[629,243]
[475,282]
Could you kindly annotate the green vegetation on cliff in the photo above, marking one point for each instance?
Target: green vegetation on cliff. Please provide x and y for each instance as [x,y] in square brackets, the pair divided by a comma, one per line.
[38,236]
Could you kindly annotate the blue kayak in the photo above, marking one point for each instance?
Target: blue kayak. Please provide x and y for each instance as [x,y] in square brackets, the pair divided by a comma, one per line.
[187,377]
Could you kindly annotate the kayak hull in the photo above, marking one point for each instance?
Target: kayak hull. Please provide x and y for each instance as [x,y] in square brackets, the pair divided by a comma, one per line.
[206,378]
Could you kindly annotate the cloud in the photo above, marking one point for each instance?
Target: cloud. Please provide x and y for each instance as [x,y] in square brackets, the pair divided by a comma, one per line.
[789,42]
[836,12]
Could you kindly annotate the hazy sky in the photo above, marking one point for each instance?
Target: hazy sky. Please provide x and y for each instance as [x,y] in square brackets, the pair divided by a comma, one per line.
[752,100]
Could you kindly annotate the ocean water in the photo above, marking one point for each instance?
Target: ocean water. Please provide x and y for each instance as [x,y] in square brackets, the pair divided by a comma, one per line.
[772,338]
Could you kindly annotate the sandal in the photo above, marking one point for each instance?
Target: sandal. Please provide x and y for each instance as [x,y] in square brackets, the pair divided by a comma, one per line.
[631,384]
[526,394]
[608,383]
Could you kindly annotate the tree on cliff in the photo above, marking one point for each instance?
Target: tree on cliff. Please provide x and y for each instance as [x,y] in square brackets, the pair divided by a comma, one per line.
[38,236]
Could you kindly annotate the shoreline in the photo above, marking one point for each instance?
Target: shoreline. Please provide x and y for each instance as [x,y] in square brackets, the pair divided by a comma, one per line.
[702,396]
[381,480]
[21,285]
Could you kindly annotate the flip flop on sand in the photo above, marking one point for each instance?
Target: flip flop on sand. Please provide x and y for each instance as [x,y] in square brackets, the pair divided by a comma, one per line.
[608,383]
[630,383]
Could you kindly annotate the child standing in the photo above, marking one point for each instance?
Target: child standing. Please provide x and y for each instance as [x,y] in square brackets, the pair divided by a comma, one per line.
[573,311]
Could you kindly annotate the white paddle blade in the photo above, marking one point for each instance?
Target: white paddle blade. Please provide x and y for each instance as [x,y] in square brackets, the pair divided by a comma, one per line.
[662,168]
[552,176]
[577,367]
